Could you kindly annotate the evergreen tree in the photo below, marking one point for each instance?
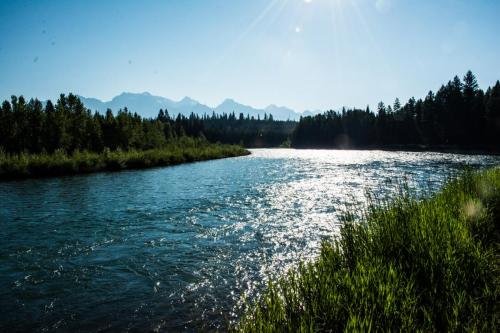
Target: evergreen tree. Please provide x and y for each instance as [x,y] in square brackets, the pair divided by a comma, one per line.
[459,114]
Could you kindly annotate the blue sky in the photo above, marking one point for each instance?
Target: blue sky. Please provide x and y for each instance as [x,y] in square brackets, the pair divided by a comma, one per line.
[305,54]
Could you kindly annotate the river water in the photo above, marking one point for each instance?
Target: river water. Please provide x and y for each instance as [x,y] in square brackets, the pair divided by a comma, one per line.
[180,248]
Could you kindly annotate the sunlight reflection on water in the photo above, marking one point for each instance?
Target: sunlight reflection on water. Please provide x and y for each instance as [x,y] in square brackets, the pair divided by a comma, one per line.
[180,248]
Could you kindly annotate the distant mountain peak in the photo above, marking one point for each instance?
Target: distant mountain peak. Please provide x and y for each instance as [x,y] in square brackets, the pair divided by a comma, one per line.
[188,100]
[132,94]
[274,107]
[229,101]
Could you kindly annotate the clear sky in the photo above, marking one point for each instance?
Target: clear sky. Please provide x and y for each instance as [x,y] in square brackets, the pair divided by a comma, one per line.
[305,54]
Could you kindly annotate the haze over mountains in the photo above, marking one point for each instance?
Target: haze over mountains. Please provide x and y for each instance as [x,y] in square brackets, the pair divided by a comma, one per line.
[148,105]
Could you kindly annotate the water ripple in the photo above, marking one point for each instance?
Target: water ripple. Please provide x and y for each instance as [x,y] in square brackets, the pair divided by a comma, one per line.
[182,248]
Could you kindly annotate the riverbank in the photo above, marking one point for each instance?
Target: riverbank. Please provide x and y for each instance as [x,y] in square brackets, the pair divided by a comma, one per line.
[19,166]
[411,265]
[448,149]
[413,148]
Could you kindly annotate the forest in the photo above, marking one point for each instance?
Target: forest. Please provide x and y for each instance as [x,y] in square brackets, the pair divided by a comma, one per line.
[459,115]
[66,138]
[247,131]
[32,127]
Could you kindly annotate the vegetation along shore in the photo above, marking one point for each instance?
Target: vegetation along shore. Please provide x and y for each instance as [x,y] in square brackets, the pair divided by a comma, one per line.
[413,264]
[60,163]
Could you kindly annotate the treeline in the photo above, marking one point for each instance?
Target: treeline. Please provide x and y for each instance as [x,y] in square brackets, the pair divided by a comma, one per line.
[68,126]
[32,127]
[66,138]
[244,130]
[459,114]
[247,131]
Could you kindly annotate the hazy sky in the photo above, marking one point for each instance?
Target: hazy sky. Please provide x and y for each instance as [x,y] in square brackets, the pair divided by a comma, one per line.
[305,54]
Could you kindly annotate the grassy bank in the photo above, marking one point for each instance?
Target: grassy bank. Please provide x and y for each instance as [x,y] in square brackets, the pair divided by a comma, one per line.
[43,165]
[411,265]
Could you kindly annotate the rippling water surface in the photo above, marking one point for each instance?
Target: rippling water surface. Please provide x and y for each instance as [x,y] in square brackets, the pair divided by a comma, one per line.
[179,248]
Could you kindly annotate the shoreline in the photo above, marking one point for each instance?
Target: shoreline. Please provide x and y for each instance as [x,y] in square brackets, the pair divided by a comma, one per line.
[414,148]
[36,166]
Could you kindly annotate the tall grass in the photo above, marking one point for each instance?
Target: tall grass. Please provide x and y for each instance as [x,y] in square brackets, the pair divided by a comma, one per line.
[60,163]
[409,265]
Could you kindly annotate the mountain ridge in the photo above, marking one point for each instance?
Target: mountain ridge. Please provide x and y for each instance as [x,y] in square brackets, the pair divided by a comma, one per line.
[148,105]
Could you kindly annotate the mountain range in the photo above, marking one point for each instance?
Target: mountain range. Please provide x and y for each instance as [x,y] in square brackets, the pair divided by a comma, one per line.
[148,105]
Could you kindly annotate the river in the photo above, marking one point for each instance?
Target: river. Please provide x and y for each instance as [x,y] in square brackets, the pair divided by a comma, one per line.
[180,248]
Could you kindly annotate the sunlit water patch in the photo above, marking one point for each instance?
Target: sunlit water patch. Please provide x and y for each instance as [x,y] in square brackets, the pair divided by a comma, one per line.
[180,248]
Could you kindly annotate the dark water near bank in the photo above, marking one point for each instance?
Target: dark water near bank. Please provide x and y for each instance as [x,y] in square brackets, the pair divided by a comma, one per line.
[178,248]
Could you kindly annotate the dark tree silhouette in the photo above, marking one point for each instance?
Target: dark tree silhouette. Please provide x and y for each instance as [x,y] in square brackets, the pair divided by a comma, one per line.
[458,115]
[68,126]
